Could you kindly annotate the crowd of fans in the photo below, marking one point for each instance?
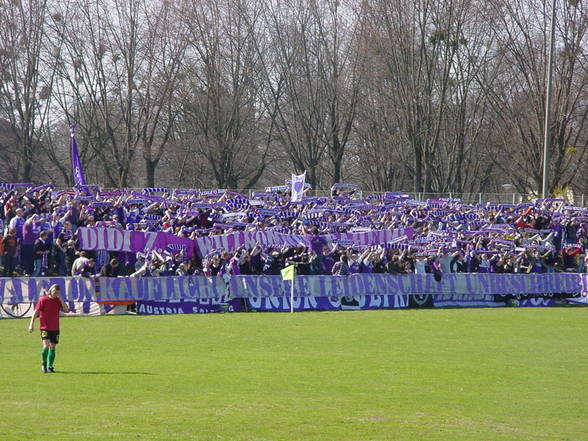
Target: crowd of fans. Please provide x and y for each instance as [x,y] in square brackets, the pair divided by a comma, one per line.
[40,223]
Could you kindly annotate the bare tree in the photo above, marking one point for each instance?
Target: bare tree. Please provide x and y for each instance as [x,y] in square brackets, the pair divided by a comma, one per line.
[441,96]
[516,84]
[341,73]
[221,116]
[296,95]
[431,51]
[158,99]
[119,63]
[385,159]
[313,76]
[96,64]
[25,83]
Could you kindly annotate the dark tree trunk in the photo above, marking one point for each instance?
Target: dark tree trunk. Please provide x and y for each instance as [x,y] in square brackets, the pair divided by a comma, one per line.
[150,167]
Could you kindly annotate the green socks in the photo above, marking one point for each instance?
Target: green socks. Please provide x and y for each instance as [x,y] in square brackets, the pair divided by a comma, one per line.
[44,354]
[50,358]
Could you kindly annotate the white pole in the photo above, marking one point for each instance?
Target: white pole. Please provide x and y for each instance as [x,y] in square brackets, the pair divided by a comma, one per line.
[292,291]
[547,127]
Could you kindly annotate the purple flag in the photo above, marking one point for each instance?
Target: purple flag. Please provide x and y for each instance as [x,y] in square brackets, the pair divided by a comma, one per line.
[116,239]
[76,164]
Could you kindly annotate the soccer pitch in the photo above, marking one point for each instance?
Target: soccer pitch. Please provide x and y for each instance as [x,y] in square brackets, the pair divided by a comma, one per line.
[456,374]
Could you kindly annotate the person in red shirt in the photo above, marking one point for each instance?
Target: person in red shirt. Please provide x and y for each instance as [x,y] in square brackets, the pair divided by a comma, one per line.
[47,309]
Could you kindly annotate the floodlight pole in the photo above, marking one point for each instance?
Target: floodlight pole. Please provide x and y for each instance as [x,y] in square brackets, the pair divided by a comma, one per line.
[547,127]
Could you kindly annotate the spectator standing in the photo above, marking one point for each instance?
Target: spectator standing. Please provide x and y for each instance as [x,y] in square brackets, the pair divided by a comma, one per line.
[341,268]
[111,269]
[41,249]
[10,247]
[17,223]
[30,233]
[79,264]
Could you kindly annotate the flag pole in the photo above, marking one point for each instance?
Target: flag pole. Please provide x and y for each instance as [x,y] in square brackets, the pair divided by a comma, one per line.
[292,291]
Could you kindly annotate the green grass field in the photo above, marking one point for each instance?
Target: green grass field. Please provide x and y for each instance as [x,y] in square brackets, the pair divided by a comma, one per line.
[459,374]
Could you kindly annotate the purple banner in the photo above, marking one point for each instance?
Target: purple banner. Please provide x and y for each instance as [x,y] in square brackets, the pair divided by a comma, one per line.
[466,301]
[452,288]
[582,300]
[115,239]
[204,306]
[282,304]
[479,284]
[537,302]
[371,238]
[29,289]
[476,301]
[191,288]
[248,239]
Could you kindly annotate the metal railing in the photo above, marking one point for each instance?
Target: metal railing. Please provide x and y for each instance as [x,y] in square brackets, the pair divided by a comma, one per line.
[580,200]
[467,198]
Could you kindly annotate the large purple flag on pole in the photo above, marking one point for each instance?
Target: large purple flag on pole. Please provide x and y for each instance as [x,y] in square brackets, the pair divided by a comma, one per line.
[76,164]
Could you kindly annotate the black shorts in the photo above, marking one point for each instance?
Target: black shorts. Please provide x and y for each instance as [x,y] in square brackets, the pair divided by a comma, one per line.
[52,336]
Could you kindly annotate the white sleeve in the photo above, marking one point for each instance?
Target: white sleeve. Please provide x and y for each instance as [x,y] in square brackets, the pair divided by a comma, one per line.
[141,271]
